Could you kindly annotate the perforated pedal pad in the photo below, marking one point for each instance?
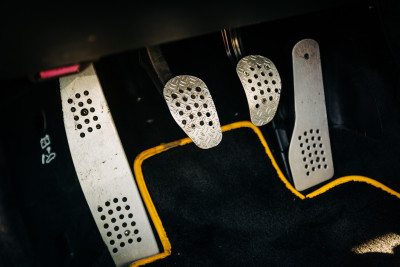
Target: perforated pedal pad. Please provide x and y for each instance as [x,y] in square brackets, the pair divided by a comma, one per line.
[103,170]
[192,107]
[262,85]
[310,154]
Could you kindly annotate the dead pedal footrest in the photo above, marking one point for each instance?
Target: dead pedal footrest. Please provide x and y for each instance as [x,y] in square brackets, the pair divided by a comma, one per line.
[262,85]
[310,154]
[103,170]
[193,109]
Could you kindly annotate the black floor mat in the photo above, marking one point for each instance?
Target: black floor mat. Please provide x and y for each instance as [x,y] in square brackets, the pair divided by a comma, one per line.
[227,207]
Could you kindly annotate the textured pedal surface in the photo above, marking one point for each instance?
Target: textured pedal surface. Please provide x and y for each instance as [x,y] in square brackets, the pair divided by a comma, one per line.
[310,154]
[103,170]
[192,107]
[262,84]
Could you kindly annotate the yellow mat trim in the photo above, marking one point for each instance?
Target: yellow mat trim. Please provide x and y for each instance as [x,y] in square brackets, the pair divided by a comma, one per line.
[137,168]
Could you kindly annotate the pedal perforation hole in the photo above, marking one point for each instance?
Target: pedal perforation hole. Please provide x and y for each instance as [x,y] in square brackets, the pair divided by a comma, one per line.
[139,239]
[84,111]
[315,152]
[118,228]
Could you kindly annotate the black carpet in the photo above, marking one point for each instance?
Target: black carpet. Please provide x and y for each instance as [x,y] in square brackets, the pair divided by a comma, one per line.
[227,207]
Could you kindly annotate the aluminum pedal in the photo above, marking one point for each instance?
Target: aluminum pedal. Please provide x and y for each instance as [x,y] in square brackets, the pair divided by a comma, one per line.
[103,170]
[310,154]
[262,85]
[192,107]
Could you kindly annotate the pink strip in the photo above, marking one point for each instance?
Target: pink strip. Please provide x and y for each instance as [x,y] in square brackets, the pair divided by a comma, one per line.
[58,72]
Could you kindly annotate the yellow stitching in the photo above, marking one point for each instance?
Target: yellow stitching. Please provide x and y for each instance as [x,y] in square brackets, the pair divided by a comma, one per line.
[137,168]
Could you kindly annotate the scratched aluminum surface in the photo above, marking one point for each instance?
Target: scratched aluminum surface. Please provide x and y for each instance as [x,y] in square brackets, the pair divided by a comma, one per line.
[103,170]
[192,107]
[262,85]
[310,154]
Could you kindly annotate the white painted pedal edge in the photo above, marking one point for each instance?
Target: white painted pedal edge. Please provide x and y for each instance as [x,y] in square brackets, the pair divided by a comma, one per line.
[104,172]
[310,111]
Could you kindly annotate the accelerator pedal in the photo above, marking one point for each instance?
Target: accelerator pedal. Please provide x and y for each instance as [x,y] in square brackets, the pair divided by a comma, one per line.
[262,85]
[103,170]
[192,107]
[310,154]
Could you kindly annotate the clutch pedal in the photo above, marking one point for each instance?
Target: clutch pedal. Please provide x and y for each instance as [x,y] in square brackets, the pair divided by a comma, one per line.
[192,107]
[103,170]
[310,154]
[262,85]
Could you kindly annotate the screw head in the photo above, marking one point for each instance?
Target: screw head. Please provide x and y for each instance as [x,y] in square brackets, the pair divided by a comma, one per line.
[127,232]
[246,73]
[267,66]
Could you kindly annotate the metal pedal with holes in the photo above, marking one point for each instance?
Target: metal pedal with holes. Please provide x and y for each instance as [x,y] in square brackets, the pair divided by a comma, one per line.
[310,154]
[262,85]
[103,170]
[192,107]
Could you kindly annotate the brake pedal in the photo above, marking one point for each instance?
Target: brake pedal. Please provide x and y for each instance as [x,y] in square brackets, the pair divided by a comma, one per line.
[262,85]
[103,170]
[310,154]
[193,109]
